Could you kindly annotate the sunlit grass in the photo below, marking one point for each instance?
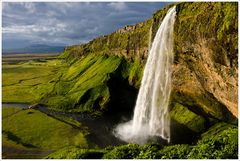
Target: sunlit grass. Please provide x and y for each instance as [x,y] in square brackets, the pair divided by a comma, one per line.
[10,111]
[33,128]
[83,83]
[28,81]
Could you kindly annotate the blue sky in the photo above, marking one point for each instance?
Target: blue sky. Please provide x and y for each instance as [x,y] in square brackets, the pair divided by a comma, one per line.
[68,23]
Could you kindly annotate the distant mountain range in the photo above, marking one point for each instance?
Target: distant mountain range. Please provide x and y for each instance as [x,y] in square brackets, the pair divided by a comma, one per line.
[35,48]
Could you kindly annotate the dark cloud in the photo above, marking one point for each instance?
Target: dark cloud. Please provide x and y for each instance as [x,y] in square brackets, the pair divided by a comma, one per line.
[68,23]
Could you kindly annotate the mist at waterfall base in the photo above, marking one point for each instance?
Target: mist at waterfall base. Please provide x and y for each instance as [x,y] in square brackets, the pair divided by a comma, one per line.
[151,117]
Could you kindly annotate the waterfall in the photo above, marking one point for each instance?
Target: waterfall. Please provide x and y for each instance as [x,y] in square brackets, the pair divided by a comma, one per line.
[151,118]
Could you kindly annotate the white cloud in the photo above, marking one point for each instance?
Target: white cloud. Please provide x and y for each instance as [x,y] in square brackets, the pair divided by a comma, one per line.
[69,23]
[30,7]
[118,5]
[17,29]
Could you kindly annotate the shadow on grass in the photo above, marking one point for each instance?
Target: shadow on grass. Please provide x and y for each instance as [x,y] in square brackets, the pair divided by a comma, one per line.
[16,139]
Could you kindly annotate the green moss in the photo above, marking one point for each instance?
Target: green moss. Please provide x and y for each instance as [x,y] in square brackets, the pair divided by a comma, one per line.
[218,22]
[184,116]
[204,105]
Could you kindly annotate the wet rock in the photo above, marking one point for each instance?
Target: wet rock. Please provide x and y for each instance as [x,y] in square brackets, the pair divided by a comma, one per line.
[34,106]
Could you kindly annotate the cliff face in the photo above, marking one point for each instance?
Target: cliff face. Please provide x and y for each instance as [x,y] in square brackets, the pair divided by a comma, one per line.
[130,42]
[206,60]
[105,73]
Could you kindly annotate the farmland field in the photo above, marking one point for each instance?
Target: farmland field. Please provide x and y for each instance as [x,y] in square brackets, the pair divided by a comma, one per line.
[29,77]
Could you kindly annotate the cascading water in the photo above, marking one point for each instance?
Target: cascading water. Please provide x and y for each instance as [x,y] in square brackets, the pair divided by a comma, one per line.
[151,116]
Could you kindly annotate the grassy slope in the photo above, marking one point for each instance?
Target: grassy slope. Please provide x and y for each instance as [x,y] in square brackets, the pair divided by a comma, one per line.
[36,130]
[83,86]
[6,112]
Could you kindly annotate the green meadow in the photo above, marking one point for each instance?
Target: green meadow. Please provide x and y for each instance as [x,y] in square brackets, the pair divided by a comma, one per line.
[28,78]
[35,129]
[29,129]
[29,133]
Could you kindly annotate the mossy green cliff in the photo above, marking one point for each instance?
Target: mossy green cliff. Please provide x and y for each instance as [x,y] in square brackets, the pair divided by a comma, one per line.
[105,74]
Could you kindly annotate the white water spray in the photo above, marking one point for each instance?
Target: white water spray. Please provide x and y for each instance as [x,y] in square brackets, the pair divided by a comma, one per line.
[151,116]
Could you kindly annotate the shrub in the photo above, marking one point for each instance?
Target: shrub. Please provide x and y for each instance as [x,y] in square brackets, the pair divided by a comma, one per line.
[128,151]
[221,145]
[149,151]
[174,152]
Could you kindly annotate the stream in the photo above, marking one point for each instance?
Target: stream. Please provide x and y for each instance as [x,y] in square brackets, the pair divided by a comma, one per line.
[100,129]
